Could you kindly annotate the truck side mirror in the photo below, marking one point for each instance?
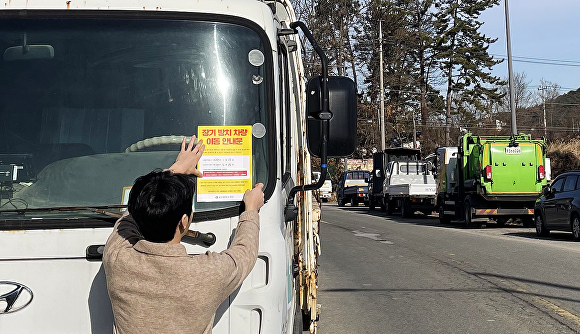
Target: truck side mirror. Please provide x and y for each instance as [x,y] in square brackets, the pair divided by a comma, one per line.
[342,105]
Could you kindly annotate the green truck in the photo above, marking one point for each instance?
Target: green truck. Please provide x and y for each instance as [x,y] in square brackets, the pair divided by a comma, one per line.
[490,177]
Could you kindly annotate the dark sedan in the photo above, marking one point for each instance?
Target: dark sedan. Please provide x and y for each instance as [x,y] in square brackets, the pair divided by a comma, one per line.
[559,206]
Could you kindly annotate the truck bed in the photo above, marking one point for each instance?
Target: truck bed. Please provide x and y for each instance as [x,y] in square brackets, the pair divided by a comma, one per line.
[413,190]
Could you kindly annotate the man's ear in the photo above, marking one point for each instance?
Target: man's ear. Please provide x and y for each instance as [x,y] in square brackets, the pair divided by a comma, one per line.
[183,225]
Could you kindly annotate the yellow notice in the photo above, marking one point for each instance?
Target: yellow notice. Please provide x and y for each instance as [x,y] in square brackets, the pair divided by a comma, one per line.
[226,163]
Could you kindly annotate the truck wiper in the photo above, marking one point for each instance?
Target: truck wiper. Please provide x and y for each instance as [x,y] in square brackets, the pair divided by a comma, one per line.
[97,209]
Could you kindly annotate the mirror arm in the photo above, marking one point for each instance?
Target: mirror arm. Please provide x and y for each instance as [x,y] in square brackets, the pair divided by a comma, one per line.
[291,211]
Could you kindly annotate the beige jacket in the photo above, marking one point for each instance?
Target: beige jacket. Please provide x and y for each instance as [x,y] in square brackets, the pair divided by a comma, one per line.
[159,288]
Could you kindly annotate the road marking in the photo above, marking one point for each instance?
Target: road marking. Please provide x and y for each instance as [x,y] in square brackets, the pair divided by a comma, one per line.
[560,311]
[547,304]
[372,236]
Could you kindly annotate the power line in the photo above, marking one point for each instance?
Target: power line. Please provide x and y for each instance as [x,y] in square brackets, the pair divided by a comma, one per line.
[542,61]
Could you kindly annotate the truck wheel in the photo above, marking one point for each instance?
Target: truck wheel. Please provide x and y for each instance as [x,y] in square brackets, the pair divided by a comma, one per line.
[388,206]
[468,216]
[501,221]
[576,228]
[541,229]
[353,202]
[298,321]
[301,319]
[528,221]
[406,210]
[382,204]
[443,219]
[371,204]
[340,201]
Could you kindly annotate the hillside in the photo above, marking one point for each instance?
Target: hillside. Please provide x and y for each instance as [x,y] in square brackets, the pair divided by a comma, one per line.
[571,98]
[564,156]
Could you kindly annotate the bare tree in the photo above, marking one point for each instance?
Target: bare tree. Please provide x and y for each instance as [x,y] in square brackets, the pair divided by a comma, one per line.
[525,98]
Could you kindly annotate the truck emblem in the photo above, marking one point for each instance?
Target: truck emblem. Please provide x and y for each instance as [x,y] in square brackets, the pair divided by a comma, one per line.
[10,297]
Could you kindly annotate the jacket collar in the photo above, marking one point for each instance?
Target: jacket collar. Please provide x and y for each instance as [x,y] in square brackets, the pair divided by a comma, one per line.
[160,249]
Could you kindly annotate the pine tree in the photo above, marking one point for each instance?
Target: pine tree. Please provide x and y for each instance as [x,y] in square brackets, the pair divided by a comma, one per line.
[463,57]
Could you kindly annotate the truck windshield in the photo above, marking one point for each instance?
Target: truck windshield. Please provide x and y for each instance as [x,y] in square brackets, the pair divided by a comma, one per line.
[357,175]
[86,106]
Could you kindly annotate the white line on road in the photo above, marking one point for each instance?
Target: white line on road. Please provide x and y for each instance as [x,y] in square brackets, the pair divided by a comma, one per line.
[372,236]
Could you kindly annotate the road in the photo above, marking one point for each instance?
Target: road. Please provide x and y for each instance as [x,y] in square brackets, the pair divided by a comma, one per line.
[387,274]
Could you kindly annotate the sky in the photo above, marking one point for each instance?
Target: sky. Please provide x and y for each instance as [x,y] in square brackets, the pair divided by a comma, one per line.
[545,40]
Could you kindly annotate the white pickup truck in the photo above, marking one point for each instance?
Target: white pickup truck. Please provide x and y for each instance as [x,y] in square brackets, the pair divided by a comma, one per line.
[325,192]
[410,186]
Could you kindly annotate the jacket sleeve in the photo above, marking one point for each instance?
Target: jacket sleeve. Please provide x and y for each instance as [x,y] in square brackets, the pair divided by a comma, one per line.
[240,257]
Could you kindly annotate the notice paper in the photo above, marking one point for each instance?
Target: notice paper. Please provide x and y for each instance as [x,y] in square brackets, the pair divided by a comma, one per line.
[226,163]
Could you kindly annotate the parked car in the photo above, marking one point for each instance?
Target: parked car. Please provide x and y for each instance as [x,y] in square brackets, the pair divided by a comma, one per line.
[559,206]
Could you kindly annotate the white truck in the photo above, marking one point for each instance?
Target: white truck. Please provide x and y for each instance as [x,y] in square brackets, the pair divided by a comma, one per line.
[325,192]
[95,93]
[410,186]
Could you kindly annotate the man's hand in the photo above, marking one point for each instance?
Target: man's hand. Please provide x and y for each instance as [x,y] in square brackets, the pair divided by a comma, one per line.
[188,157]
[254,199]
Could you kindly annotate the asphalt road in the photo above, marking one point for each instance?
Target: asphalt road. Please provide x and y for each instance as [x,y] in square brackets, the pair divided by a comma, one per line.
[387,274]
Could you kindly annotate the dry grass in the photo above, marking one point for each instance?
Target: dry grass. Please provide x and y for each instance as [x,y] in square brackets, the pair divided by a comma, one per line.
[564,156]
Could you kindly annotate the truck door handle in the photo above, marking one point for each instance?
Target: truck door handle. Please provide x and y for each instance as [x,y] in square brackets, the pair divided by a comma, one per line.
[207,239]
[95,252]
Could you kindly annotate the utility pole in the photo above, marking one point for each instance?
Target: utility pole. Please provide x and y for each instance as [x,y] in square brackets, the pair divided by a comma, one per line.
[542,88]
[510,71]
[414,131]
[382,120]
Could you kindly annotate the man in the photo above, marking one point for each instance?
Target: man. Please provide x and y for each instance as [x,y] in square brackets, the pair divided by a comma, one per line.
[153,284]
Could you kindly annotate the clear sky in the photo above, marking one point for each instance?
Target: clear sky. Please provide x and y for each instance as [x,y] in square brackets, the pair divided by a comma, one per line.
[545,40]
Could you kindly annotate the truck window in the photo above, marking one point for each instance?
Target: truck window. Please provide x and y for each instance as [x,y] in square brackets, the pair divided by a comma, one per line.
[411,168]
[357,175]
[570,183]
[69,118]
[285,115]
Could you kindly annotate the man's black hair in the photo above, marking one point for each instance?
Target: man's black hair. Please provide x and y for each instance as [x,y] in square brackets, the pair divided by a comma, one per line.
[157,202]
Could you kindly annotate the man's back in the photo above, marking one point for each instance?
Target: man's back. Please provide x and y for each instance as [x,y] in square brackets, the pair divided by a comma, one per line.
[158,288]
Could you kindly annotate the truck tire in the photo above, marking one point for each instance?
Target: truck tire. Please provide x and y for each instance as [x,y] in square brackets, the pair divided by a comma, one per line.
[388,205]
[298,327]
[382,204]
[500,221]
[528,221]
[443,219]
[340,201]
[301,319]
[467,215]
[353,201]
[406,210]
[371,203]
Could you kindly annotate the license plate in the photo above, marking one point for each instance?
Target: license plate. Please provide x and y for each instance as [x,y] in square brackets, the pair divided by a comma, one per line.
[513,150]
